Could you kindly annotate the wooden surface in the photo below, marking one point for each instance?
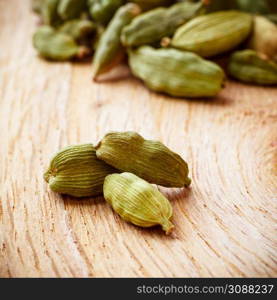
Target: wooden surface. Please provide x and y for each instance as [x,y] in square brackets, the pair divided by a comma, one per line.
[224,222]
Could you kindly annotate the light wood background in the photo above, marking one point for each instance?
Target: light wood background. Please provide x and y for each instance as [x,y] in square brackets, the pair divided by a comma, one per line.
[224,222]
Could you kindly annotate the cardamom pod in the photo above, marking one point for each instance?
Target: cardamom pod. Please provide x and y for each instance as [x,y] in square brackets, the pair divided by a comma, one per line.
[248,66]
[109,50]
[175,72]
[137,201]
[76,171]
[150,160]
[49,12]
[214,33]
[78,29]
[150,4]
[55,45]
[152,26]
[103,10]
[71,9]
[264,37]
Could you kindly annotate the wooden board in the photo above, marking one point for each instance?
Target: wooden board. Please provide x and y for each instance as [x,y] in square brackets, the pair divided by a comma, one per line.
[224,222]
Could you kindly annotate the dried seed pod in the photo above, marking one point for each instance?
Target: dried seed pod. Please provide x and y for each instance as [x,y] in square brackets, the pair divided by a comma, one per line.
[137,201]
[155,24]
[49,12]
[71,9]
[55,45]
[175,72]
[78,29]
[76,171]
[248,66]
[214,33]
[264,37]
[150,160]
[109,50]
[103,10]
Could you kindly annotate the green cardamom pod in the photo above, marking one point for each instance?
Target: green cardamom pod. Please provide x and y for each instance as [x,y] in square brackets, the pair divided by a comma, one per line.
[103,10]
[71,9]
[137,201]
[76,171]
[78,29]
[49,12]
[55,45]
[175,72]
[214,33]
[248,66]
[152,26]
[150,160]
[109,50]
[264,37]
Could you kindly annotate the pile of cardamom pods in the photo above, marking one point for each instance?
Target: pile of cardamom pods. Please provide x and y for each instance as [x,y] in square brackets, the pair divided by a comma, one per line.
[172,46]
[122,166]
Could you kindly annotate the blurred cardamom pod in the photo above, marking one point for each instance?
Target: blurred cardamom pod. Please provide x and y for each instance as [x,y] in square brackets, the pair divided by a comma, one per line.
[109,50]
[102,11]
[248,66]
[78,29]
[214,33]
[71,9]
[153,25]
[264,37]
[49,12]
[55,45]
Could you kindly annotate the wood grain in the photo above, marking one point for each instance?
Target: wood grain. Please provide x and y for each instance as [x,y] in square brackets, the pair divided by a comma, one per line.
[224,222]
